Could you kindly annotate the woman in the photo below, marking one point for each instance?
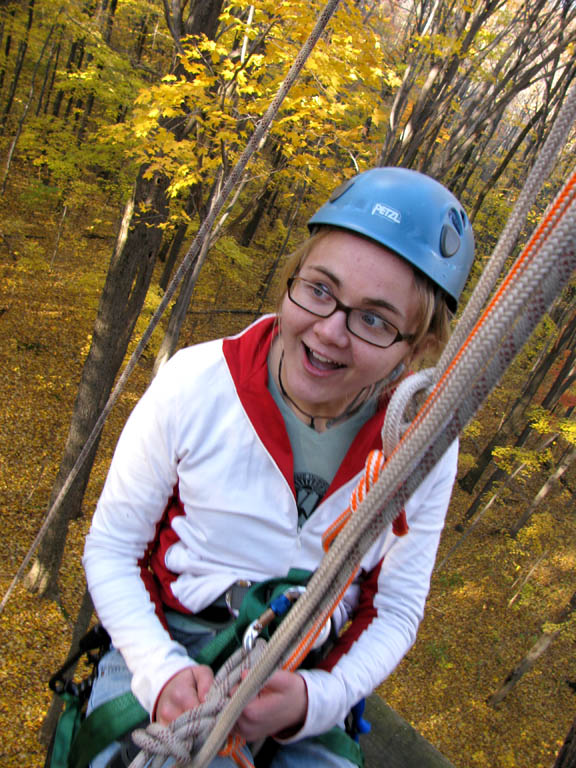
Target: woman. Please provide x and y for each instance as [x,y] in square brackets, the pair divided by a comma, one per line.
[244,450]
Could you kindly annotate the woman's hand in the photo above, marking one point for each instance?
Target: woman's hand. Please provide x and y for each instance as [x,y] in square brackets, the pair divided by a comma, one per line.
[186,690]
[280,706]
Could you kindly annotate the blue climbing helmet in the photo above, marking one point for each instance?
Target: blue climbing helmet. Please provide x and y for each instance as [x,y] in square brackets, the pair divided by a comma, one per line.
[412,215]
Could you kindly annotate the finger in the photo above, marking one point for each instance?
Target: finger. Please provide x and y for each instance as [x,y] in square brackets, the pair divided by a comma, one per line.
[172,708]
[204,679]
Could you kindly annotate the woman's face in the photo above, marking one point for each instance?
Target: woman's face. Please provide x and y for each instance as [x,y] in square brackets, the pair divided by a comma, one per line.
[325,366]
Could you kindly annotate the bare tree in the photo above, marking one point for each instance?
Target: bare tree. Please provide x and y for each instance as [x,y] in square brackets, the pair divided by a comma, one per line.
[449,105]
[536,651]
[567,755]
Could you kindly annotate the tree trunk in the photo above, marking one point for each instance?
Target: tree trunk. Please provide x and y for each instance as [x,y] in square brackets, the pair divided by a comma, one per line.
[107,33]
[177,241]
[74,48]
[252,225]
[180,308]
[178,314]
[58,236]
[567,755]
[540,646]
[49,74]
[267,282]
[122,297]
[173,251]
[562,382]
[553,480]
[22,120]
[16,77]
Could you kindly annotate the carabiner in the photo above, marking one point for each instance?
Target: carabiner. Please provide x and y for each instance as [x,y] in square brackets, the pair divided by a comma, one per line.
[278,607]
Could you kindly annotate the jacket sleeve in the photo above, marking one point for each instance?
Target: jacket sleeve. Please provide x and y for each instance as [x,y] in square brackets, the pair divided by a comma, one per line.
[389,610]
[141,479]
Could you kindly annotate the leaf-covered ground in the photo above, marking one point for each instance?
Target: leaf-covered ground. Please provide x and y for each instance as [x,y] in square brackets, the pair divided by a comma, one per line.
[470,639]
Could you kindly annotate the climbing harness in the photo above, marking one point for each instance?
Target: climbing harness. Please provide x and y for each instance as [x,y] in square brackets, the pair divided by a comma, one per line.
[79,738]
[230,653]
[74,695]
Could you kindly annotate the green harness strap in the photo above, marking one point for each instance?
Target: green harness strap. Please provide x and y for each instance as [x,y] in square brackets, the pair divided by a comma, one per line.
[113,719]
[340,743]
[105,724]
[68,724]
[255,602]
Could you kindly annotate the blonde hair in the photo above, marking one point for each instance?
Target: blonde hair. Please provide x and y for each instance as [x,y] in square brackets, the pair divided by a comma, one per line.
[433,318]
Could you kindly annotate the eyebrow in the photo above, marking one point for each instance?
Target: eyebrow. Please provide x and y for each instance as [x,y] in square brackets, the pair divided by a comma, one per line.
[368,301]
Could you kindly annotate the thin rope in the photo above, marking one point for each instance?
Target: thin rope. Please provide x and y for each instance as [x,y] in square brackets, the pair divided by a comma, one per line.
[253,145]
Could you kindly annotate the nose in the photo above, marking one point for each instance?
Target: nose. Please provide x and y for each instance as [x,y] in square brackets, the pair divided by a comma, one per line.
[332,329]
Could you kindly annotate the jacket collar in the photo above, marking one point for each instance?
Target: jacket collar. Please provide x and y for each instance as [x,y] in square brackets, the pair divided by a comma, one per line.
[247,358]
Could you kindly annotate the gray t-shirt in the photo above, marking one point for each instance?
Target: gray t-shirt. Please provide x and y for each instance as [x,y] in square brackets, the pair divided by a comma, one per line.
[317,455]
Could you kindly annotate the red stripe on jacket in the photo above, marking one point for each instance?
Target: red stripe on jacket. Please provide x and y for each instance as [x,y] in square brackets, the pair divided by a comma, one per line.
[365,613]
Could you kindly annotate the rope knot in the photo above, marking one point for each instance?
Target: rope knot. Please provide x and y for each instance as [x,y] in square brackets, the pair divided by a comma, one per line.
[184,737]
[161,740]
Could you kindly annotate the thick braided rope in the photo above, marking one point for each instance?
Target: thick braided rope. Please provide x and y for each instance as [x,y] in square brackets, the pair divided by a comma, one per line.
[540,273]
[406,394]
[253,145]
[187,733]
[507,240]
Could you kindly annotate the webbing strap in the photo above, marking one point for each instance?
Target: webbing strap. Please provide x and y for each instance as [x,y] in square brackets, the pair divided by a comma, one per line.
[113,719]
[340,743]
[105,724]
[68,724]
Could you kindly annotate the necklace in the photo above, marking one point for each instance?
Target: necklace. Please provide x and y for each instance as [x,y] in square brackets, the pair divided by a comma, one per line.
[350,409]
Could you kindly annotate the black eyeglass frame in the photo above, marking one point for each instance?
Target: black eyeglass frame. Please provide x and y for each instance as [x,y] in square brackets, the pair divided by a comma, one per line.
[409,337]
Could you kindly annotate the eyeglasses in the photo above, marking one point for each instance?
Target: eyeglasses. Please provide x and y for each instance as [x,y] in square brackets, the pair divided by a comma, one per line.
[363,323]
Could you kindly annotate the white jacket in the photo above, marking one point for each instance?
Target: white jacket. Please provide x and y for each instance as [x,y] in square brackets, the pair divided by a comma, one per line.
[209,428]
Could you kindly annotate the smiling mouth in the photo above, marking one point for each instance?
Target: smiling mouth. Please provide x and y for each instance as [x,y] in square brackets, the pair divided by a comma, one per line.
[320,362]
